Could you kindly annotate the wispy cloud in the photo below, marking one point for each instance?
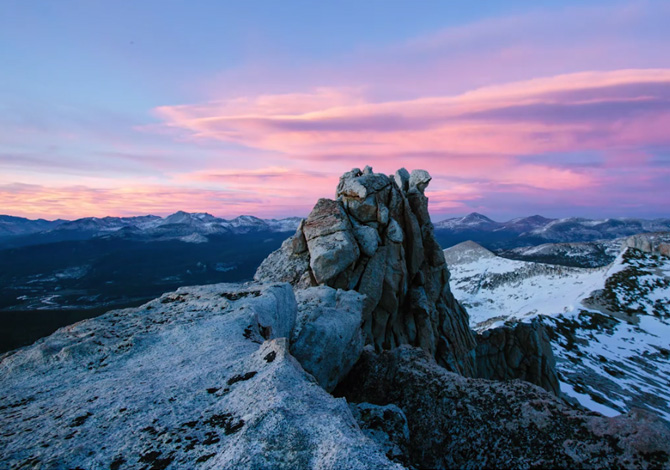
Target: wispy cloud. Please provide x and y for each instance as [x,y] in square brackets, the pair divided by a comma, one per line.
[592,111]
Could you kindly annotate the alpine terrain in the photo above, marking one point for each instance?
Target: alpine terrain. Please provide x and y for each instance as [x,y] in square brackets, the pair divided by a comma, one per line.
[609,326]
[56,273]
[537,230]
[348,350]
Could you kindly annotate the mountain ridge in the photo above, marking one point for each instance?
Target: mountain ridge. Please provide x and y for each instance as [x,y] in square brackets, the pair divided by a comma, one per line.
[537,230]
[189,227]
[520,231]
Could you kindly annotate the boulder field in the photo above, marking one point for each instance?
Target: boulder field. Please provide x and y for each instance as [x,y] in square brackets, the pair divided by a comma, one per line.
[348,351]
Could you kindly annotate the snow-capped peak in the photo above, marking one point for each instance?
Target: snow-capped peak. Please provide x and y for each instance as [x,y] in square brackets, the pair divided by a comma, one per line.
[476,218]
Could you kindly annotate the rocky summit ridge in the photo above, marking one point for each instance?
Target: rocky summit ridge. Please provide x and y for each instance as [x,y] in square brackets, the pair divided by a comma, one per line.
[377,238]
[349,351]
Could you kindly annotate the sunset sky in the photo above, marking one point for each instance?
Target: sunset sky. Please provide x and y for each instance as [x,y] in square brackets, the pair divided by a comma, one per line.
[557,108]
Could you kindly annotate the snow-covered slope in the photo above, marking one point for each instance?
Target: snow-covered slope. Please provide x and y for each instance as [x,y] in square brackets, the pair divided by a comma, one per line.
[578,229]
[610,326]
[473,221]
[181,224]
[491,287]
[108,224]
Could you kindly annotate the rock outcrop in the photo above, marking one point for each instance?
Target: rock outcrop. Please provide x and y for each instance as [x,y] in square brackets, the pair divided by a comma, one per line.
[199,378]
[517,351]
[458,422]
[655,243]
[377,238]
[237,376]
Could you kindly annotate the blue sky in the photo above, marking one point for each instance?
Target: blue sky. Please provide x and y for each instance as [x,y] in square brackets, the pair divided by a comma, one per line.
[116,108]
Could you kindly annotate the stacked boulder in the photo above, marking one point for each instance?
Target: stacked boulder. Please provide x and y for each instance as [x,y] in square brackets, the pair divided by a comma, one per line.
[377,238]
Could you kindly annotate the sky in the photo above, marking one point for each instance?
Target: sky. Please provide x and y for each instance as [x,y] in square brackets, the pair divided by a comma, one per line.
[558,108]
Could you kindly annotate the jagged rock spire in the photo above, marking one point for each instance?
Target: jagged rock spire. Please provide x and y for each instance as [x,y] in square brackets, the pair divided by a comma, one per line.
[377,238]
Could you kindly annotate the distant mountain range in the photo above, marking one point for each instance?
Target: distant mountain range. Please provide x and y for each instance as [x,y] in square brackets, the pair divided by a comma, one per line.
[183,226]
[197,227]
[537,230]
[57,272]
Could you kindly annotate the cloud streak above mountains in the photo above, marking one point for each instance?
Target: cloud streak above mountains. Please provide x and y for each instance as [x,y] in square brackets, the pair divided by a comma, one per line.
[562,110]
[576,112]
[482,134]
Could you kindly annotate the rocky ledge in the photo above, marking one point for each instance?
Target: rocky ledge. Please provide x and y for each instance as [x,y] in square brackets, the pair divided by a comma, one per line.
[199,378]
[458,422]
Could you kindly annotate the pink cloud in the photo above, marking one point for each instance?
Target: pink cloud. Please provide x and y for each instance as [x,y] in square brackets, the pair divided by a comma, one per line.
[590,111]
[275,185]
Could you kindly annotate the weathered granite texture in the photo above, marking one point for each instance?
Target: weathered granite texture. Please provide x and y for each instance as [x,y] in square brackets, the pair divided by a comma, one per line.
[655,243]
[387,426]
[377,238]
[327,339]
[199,378]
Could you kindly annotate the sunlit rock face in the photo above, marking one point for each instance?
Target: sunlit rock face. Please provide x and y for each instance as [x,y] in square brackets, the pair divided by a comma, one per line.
[655,243]
[377,238]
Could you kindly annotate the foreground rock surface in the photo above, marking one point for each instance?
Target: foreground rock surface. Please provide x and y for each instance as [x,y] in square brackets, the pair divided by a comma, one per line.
[377,238]
[387,426]
[457,422]
[199,378]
